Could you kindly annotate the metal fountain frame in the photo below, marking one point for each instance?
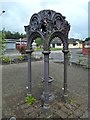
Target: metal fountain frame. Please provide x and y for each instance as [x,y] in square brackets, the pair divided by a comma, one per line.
[47,24]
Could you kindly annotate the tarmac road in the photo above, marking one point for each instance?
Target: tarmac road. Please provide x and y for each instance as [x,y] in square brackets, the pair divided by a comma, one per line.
[14,80]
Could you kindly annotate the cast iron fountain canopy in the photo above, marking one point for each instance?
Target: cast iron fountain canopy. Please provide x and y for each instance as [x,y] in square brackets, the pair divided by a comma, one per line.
[47,24]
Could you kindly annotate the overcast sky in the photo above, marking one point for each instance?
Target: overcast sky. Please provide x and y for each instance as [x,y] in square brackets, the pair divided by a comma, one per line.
[18,14]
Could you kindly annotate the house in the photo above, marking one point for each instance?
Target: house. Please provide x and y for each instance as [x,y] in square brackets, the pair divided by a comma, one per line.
[17,43]
[56,43]
[10,44]
[73,43]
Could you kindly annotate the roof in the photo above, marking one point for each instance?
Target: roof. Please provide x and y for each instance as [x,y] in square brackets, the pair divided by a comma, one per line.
[10,42]
[70,41]
[56,40]
[11,39]
[15,40]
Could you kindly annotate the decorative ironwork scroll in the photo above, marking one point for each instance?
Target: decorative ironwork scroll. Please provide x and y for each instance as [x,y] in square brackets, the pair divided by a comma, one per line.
[46,23]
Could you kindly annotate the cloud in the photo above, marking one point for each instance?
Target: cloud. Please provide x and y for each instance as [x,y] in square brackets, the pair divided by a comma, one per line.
[18,14]
[76,13]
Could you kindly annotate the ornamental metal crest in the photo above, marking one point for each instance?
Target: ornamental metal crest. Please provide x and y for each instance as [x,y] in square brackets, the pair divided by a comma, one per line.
[47,22]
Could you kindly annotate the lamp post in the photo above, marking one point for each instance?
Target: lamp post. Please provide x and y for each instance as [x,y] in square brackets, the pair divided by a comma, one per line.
[1,69]
[2,12]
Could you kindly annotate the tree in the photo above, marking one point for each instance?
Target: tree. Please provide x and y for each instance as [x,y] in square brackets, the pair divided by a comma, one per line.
[87,39]
[23,35]
[39,41]
[8,35]
[14,35]
[2,45]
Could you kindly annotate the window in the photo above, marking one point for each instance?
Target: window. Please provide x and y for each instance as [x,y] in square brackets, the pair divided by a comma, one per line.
[74,44]
[58,44]
[53,45]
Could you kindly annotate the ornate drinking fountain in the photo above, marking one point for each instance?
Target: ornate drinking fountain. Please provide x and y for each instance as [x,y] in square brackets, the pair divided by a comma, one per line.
[47,24]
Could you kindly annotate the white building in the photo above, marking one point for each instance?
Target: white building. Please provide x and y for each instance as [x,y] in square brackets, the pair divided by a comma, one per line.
[73,43]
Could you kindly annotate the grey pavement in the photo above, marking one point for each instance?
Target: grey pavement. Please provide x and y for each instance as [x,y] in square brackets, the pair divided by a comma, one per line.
[14,82]
[12,53]
[76,56]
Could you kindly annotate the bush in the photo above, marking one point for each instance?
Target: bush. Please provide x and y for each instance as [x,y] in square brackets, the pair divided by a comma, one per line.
[22,49]
[21,57]
[80,60]
[6,59]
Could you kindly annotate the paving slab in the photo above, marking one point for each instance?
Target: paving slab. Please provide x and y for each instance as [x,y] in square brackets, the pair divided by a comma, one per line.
[14,90]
